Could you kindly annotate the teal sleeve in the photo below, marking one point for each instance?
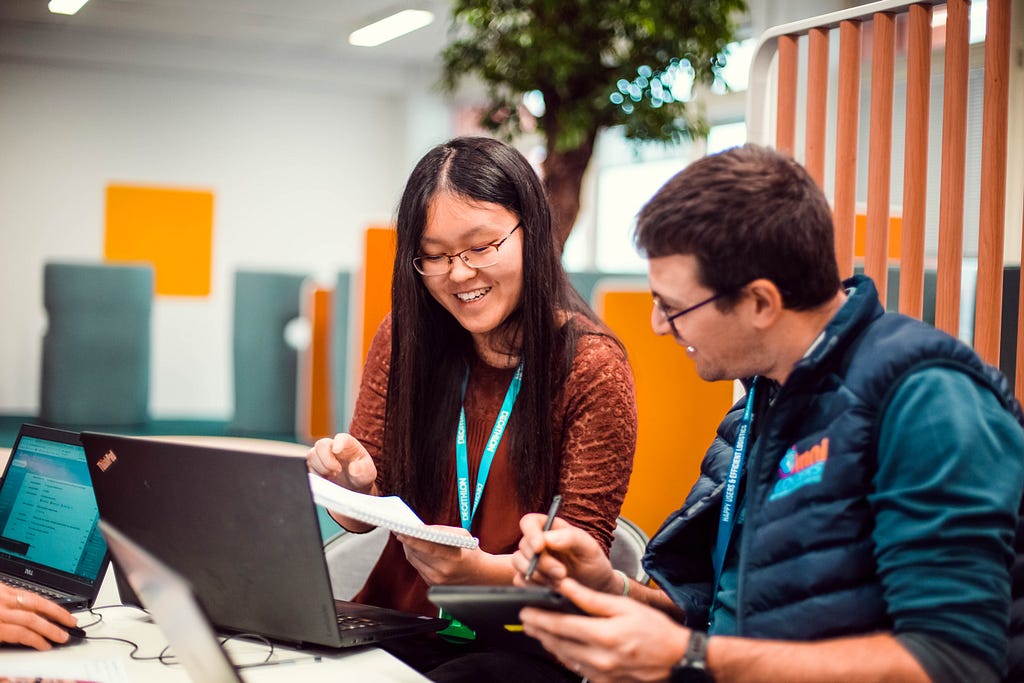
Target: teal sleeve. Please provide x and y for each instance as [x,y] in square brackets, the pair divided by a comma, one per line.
[946,498]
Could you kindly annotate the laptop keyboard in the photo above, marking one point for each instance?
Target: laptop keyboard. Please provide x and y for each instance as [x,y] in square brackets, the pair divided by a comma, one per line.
[348,622]
[32,588]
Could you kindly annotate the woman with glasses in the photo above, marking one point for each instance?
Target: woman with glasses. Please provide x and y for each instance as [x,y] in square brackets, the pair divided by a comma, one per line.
[486,339]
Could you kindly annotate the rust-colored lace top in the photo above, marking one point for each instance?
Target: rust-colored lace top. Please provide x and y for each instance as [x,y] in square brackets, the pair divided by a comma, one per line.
[594,427]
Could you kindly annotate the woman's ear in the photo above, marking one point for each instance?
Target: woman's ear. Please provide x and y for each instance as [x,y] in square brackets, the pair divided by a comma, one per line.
[766,302]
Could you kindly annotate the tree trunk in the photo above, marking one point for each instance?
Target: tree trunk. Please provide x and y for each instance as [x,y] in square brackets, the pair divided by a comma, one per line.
[563,178]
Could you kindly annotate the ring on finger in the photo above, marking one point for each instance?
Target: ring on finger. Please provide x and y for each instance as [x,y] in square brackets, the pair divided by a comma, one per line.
[21,599]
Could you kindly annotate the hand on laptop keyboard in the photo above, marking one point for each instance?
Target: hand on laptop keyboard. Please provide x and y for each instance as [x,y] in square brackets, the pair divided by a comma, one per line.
[32,620]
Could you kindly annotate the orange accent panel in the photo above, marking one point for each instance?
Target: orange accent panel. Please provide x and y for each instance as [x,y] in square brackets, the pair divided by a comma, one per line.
[379,261]
[320,401]
[170,228]
[678,411]
[861,231]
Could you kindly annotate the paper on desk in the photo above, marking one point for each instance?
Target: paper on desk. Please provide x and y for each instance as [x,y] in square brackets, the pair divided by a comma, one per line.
[79,670]
[390,512]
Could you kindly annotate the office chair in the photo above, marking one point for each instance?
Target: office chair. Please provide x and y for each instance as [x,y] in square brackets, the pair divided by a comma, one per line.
[628,546]
[96,349]
[265,366]
[350,557]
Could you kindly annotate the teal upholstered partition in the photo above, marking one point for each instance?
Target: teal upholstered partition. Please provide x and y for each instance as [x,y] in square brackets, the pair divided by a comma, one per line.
[341,351]
[585,281]
[96,350]
[265,366]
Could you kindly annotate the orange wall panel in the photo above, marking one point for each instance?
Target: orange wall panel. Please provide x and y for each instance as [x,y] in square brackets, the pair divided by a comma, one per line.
[169,228]
[861,236]
[678,411]
[378,262]
[315,396]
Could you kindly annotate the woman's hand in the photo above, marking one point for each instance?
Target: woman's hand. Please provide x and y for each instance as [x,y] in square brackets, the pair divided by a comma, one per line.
[344,461]
[444,564]
[32,620]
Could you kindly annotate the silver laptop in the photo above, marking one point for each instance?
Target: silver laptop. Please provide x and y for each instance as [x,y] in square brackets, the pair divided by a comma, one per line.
[49,540]
[170,602]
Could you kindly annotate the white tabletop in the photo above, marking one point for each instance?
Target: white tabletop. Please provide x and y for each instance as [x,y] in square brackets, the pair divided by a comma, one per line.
[94,655]
[108,661]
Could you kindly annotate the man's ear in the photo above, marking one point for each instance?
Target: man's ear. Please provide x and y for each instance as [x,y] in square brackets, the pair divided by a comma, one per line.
[766,303]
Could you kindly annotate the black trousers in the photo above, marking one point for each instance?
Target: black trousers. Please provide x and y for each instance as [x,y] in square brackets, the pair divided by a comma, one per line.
[446,662]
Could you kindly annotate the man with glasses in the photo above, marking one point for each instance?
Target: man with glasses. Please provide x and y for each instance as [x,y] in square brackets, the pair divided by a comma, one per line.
[858,516]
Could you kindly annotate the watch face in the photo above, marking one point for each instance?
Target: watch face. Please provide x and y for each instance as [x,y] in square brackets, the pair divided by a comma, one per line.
[689,674]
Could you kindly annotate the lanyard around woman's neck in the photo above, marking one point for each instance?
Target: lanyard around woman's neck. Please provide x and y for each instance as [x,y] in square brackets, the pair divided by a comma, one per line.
[467,506]
[727,518]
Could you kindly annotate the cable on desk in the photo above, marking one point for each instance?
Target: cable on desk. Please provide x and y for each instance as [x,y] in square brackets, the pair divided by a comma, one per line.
[168,659]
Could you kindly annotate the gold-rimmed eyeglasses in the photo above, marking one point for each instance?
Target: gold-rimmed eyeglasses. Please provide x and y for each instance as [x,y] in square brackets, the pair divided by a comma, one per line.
[481,256]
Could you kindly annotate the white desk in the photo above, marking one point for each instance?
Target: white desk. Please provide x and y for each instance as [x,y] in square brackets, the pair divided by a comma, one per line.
[361,664]
[366,663]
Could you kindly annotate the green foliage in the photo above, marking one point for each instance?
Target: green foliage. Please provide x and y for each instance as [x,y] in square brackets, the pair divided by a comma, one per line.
[598,63]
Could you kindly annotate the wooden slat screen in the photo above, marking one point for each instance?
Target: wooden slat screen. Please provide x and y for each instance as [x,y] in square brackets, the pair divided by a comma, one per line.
[992,212]
[876,256]
[915,159]
[844,205]
[954,152]
[878,23]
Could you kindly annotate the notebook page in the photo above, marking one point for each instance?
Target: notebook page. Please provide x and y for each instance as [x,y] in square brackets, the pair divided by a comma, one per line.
[390,512]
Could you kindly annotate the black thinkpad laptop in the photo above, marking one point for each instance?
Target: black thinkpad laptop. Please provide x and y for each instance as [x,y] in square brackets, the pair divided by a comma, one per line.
[49,541]
[241,528]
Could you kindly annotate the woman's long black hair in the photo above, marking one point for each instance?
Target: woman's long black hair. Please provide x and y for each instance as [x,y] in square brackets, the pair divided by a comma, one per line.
[431,351]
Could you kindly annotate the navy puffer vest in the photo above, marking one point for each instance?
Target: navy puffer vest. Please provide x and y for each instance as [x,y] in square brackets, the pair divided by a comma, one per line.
[807,564]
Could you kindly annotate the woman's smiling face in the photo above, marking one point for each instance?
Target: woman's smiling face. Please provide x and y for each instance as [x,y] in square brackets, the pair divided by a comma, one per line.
[480,299]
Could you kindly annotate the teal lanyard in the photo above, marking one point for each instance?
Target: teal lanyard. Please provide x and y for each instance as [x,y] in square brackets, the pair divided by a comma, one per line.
[466,512]
[727,518]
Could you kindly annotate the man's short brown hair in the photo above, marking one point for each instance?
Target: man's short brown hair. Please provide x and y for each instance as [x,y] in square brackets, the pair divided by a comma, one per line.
[746,213]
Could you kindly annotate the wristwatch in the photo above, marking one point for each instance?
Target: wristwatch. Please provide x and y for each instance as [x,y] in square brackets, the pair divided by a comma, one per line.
[693,668]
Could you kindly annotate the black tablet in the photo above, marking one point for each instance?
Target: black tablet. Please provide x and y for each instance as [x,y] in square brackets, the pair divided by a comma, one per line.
[493,611]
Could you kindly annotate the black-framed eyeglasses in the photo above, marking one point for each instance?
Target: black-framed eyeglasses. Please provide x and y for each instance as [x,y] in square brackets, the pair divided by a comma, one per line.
[482,256]
[671,319]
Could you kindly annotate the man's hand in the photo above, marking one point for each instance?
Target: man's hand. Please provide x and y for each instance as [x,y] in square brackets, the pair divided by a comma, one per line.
[564,551]
[622,640]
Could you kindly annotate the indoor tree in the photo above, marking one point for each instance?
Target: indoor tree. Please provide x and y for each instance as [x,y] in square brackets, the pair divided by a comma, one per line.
[593,64]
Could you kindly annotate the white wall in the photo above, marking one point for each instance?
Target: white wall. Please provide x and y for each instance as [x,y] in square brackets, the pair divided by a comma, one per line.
[298,168]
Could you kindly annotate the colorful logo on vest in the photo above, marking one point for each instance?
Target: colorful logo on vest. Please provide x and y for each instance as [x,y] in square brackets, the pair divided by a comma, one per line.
[800,469]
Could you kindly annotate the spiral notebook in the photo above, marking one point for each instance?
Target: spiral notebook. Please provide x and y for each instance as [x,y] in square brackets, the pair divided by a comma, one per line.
[390,512]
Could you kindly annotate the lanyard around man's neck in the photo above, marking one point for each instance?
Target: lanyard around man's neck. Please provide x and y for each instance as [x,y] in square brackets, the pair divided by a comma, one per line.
[727,518]
[468,506]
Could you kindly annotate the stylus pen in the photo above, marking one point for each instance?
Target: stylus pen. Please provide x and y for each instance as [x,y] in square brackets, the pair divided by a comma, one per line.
[556,502]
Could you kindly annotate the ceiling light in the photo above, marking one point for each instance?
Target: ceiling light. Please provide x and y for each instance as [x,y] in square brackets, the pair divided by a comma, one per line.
[390,28]
[66,6]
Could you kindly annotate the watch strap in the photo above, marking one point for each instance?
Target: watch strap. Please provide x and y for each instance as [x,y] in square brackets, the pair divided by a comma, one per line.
[696,651]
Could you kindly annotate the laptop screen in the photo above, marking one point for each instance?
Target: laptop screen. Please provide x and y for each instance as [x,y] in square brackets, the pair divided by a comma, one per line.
[48,513]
